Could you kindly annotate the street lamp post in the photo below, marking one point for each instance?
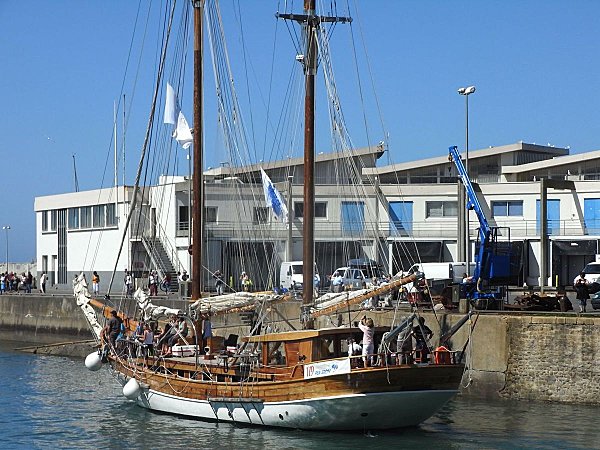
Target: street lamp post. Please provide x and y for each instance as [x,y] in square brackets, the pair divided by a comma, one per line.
[466,91]
[6,228]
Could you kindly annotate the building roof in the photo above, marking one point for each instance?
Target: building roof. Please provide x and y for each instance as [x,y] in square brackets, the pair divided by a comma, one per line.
[554,162]
[375,150]
[473,154]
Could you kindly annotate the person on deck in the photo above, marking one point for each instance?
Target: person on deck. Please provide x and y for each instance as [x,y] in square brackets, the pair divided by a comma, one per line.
[112,329]
[164,337]
[147,339]
[422,334]
[368,341]
[581,285]
[206,329]
[181,331]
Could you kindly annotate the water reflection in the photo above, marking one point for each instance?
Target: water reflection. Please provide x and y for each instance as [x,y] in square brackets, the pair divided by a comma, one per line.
[53,402]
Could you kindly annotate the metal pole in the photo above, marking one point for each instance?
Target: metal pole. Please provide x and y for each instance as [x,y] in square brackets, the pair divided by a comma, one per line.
[6,228]
[290,219]
[467,240]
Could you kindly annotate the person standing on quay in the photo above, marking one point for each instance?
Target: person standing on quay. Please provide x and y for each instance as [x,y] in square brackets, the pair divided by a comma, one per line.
[581,286]
[95,283]
[128,282]
[43,279]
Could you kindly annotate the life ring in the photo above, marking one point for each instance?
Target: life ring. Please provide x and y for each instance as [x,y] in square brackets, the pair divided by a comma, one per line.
[442,355]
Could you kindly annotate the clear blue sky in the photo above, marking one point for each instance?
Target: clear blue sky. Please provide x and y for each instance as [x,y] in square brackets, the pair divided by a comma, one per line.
[535,65]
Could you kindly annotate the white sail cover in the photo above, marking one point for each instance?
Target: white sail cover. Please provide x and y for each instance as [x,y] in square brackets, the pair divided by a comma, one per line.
[82,297]
[236,301]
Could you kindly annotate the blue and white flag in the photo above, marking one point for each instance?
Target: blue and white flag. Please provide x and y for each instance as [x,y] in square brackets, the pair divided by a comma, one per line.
[273,198]
[174,116]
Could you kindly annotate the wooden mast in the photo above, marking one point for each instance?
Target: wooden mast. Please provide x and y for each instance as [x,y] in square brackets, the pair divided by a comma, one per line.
[197,179]
[308,251]
[311,23]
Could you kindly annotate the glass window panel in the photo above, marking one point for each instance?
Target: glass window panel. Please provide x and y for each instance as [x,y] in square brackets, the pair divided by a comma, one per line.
[44,220]
[99,216]
[73,218]
[515,208]
[321,210]
[210,214]
[298,210]
[53,220]
[261,215]
[111,216]
[86,217]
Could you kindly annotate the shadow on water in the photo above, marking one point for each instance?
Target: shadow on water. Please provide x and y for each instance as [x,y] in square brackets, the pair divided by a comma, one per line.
[54,402]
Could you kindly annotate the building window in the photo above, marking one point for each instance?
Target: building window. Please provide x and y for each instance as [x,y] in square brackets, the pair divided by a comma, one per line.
[111,215]
[183,223]
[85,217]
[261,215]
[508,208]
[552,216]
[353,217]
[99,216]
[210,214]
[44,220]
[53,220]
[73,218]
[320,210]
[401,218]
[441,209]
[591,215]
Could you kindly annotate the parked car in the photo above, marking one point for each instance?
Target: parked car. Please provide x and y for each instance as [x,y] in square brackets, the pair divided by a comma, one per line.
[592,272]
[595,300]
[348,278]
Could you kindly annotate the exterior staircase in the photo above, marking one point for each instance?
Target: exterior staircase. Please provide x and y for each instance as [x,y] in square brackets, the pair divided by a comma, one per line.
[160,259]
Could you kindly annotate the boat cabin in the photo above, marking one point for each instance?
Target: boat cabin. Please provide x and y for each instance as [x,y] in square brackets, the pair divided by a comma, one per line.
[300,347]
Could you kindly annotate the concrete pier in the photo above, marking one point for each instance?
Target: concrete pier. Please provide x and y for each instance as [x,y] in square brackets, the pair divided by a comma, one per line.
[528,356]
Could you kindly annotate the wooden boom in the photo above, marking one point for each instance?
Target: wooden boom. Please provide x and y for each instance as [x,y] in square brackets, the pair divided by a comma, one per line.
[372,293]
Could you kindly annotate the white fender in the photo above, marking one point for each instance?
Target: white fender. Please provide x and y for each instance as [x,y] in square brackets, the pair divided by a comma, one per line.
[132,389]
[93,361]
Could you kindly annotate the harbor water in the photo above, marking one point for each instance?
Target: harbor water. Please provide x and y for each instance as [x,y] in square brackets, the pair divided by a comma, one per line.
[51,402]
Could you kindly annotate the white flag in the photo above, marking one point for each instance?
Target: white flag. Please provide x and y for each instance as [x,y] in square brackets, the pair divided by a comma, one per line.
[182,132]
[171,106]
[174,116]
[273,198]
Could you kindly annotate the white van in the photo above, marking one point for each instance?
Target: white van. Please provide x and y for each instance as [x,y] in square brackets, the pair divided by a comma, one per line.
[439,274]
[291,277]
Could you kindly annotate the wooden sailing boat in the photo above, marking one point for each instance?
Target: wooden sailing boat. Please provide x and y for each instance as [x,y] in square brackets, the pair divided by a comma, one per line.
[298,379]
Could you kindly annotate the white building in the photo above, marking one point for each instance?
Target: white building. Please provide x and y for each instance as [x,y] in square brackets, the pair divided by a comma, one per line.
[410,204]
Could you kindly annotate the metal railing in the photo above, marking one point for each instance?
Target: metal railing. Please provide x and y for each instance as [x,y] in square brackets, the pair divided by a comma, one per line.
[433,229]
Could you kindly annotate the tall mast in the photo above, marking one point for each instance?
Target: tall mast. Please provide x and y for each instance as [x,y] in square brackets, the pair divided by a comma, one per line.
[197,182]
[310,21]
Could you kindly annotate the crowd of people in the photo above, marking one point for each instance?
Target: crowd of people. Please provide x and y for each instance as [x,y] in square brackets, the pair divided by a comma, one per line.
[14,282]
[149,337]
[406,352]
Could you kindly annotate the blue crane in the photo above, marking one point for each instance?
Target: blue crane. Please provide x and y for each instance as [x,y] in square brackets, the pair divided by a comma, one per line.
[492,261]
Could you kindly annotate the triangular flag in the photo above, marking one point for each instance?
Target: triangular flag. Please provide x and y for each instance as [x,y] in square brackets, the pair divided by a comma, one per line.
[182,132]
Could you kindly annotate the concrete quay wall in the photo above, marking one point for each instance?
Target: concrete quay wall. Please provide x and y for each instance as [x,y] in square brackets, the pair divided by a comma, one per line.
[41,319]
[547,357]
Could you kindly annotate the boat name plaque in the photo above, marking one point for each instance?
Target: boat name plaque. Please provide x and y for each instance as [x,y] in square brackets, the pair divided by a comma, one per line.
[327,368]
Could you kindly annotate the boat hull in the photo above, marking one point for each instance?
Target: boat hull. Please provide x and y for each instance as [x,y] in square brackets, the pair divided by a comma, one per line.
[366,399]
[354,412]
